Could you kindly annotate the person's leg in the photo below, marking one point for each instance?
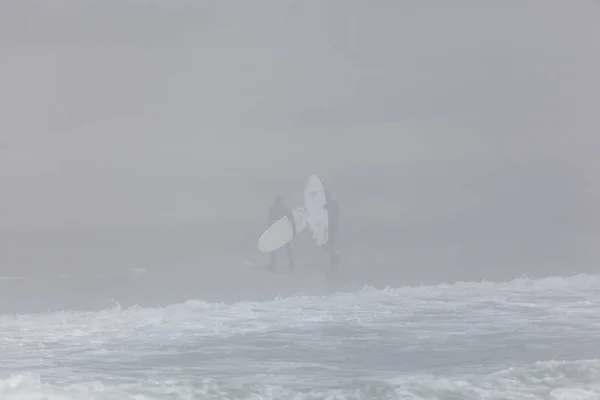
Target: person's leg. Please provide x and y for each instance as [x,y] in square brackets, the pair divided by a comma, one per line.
[328,247]
[272,260]
[288,248]
[331,268]
[334,259]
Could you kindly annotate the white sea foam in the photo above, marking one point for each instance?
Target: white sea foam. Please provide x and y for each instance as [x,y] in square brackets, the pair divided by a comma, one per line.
[550,380]
[524,339]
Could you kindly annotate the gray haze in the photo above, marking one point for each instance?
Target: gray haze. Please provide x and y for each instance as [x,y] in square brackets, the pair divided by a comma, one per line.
[459,136]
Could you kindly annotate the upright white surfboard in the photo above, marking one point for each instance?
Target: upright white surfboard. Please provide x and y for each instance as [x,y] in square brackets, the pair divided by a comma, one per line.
[315,201]
[280,232]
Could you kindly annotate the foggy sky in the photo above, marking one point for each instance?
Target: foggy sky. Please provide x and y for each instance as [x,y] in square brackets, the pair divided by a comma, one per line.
[443,115]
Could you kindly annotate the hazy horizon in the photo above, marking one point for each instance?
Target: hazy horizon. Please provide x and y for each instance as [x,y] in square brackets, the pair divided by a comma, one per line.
[434,124]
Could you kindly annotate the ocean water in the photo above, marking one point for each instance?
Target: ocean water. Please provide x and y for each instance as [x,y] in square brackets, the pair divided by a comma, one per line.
[520,339]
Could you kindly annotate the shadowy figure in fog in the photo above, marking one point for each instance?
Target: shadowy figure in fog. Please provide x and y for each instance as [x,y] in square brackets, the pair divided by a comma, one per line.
[333,213]
[277,211]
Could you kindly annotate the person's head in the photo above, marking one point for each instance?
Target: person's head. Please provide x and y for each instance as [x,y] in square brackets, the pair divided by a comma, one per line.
[279,200]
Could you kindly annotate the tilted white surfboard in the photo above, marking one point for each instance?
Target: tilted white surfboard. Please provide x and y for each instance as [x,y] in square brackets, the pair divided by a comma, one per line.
[280,232]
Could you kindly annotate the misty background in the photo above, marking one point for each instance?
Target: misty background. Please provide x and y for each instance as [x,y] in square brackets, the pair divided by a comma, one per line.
[460,139]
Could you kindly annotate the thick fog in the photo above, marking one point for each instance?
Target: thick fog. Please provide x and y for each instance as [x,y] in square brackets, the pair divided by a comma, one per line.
[460,138]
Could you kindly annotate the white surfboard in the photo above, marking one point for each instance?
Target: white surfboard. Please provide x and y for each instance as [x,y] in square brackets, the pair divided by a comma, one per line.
[280,232]
[315,201]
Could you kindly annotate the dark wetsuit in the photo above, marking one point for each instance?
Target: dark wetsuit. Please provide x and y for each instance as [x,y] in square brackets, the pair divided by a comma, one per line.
[276,212]
[333,213]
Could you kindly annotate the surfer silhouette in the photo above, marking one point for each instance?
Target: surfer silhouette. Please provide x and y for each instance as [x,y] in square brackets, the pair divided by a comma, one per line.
[277,211]
[333,213]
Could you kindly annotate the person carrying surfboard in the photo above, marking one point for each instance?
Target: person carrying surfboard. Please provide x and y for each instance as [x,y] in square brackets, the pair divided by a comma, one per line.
[277,211]
[333,212]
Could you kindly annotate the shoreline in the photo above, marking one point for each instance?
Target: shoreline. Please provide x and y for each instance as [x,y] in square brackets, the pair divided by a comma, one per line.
[156,267]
